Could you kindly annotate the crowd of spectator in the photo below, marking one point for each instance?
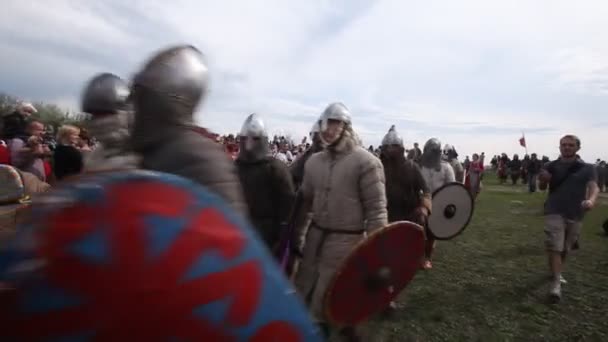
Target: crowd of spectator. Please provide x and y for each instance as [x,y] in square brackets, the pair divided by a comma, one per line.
[52,154]
[36,149]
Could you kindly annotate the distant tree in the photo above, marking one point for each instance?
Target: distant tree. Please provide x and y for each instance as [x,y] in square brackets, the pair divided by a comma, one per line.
[7,103]
[48,113]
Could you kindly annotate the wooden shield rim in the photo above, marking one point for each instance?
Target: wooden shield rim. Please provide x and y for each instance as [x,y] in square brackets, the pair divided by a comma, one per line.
[468,221]
[360,244]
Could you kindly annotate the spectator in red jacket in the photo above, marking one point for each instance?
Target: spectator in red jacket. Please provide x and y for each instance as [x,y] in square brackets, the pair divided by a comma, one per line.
[5,155]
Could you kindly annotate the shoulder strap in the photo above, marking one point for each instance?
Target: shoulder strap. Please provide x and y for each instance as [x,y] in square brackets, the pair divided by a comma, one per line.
[554,184]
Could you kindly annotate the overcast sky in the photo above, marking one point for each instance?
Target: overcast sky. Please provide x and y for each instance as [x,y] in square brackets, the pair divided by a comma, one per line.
[471,73]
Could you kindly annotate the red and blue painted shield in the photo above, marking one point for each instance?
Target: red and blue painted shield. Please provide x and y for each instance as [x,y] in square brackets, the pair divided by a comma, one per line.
[143,256]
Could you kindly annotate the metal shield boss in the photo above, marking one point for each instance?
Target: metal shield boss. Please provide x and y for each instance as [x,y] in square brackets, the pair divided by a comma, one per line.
[374,273]
[452,211]
[144,256]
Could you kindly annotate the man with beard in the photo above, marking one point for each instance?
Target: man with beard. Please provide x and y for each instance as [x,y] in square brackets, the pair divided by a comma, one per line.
[452,158]
[515,169]
[105,98]
[436,173]
[266,182]
[297,168]
[408,197]
[165,94]
[573,192]
[344,189]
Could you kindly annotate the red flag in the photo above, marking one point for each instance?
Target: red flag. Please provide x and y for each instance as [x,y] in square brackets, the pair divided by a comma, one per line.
[522,141]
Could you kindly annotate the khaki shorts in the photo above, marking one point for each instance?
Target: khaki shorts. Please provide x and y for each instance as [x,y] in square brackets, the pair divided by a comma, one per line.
[561,233]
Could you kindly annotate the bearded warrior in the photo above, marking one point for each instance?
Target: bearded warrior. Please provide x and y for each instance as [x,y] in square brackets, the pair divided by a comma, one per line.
[408,197]
[344,189]
[451,156]
[165,94]
[436,173]
[266,181]
[105,99]
[297,168]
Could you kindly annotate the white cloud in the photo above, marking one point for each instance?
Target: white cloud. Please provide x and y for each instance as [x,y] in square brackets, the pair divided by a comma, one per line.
[583,70]
[473,73]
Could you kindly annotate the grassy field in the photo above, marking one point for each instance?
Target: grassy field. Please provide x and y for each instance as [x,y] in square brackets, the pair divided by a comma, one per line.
[490,283]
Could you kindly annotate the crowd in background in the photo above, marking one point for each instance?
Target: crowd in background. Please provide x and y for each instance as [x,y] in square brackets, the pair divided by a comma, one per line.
[527,169]
[51,154]
[47,153]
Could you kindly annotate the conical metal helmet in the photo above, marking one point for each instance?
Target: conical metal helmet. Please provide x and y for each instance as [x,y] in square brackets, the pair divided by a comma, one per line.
[253,127]
[105,94]
[392,138]
[336,111]
[432,144]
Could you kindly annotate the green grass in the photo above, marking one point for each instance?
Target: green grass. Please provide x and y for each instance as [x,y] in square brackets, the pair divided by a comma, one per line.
[490,283]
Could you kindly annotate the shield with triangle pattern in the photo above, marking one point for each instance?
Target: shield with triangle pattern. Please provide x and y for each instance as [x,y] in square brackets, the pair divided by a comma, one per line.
[143,256]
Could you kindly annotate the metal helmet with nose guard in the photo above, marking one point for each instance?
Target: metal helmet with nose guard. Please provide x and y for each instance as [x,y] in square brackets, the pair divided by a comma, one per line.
[253,127]
[432,145]
[431,154]
[253,139]
[392,138]
[336,111]
[447,148]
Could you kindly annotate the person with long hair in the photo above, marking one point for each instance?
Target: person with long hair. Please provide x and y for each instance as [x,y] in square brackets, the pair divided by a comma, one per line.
[67,158]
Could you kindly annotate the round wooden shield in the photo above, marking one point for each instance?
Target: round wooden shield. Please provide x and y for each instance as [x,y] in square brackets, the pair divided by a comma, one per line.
[374,273]
[453,208]
[143,256]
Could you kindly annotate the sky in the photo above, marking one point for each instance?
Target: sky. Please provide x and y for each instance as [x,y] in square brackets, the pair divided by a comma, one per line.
[476,74]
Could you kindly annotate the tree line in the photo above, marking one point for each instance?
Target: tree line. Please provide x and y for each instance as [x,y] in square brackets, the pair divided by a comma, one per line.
[48,113]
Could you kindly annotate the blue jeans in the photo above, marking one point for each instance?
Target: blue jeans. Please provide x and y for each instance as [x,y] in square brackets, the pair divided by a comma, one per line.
[532,177]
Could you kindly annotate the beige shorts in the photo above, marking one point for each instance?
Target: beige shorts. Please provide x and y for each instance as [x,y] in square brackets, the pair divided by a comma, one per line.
[561,233]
